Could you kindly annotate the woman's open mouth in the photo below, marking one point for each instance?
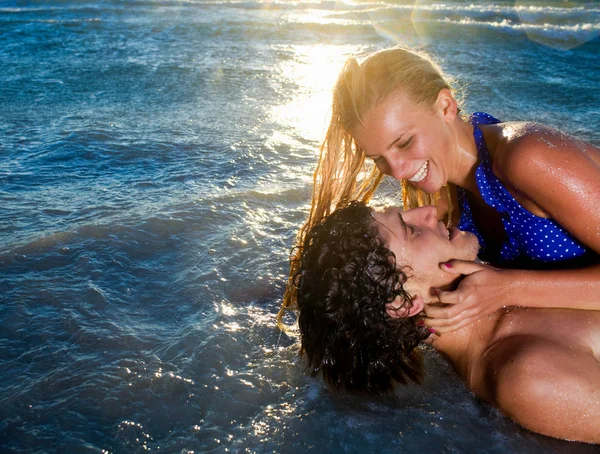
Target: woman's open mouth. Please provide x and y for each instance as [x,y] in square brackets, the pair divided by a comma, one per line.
[421,174]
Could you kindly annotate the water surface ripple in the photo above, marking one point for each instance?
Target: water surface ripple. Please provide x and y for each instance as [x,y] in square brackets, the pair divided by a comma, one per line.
[155,165]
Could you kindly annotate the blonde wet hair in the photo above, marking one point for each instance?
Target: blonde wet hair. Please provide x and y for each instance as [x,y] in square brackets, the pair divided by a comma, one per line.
[343,174]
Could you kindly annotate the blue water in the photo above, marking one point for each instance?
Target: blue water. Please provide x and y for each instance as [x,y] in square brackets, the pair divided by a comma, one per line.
[155,162]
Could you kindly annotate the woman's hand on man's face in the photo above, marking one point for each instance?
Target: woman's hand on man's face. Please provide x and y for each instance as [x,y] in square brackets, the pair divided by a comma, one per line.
[482,292]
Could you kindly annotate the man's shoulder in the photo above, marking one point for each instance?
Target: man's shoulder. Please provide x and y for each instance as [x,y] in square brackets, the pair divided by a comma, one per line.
[533,380]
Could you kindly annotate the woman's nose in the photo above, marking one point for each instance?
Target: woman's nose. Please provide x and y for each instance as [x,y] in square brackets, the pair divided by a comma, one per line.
[396,168]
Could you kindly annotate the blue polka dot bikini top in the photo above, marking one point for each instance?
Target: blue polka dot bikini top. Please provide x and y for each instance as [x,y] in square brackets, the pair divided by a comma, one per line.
[529,237]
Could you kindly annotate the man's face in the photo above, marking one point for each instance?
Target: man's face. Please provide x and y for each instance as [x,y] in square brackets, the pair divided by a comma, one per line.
[421,243]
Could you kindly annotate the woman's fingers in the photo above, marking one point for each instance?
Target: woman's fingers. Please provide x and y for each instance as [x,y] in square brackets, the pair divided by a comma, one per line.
[450,327]
[465,304]
[439,323]
[443,313]
[457,267]
[453,323]
[461,267]
[454,297]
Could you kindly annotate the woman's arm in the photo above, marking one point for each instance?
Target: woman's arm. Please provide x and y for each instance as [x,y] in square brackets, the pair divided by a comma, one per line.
[550,174]
[486,289]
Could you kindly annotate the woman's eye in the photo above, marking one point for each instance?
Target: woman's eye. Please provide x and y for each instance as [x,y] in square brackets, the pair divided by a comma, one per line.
[406,144]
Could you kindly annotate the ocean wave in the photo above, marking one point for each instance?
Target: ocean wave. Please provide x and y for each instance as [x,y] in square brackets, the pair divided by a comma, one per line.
[545,27]
[316,5]
[525,13]
[53,9]
[27,20]
[370,6]
[475,8]
[356,6]
[494,8]
[378,6]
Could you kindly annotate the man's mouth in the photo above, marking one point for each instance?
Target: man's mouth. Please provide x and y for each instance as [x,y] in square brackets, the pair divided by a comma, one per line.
[453,232]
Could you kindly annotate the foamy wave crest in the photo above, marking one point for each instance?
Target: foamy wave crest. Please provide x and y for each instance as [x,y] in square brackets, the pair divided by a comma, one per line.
[491,8]
[558,30]
[326,5]
[474,8]
[560,36]
[52,9]
[575,24]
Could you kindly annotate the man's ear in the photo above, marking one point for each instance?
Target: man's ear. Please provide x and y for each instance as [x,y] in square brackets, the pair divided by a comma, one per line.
[397,308]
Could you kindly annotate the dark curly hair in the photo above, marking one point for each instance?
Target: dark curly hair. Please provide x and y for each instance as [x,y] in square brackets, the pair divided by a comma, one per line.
[346,276]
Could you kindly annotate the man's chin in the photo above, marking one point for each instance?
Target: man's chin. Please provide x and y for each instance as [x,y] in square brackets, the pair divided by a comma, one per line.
[473,244]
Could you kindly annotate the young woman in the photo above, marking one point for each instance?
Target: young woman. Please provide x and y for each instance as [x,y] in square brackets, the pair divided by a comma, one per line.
[531,194]
[364,278]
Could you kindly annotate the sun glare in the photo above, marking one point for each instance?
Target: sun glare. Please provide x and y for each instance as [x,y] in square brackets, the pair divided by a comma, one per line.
[310,74]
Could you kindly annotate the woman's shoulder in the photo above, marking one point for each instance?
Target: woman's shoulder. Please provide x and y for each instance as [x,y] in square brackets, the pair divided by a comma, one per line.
[524,147]
[519,137]
[532,160]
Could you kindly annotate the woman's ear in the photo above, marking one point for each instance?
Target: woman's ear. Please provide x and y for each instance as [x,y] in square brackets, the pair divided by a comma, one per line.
[446,105]
[398,309]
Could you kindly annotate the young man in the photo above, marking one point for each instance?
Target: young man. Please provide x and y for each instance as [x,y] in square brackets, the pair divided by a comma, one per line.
[364,280]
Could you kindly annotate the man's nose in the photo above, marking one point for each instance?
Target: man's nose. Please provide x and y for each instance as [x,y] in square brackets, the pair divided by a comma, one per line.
[426,214]
[431,215]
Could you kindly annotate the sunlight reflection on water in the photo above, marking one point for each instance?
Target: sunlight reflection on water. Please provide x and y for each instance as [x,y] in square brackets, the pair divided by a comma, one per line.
[313,69]
[159,160]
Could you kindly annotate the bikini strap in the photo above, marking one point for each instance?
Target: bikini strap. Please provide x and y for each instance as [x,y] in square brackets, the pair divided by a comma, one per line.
[482,118]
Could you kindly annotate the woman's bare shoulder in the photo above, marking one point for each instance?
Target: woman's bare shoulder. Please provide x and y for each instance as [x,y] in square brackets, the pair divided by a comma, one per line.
[522,145]
[537,162]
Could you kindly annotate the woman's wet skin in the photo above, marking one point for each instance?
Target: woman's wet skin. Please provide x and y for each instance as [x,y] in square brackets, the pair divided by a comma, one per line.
[421,145]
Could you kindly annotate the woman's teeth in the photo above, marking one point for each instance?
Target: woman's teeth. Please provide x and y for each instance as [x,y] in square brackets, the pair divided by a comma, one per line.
[421,174]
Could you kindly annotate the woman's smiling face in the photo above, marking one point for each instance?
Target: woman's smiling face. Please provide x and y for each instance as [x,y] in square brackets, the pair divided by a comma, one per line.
[421,243]
[411,142]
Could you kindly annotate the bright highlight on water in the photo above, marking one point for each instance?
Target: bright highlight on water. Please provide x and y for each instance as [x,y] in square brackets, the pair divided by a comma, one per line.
[156,164]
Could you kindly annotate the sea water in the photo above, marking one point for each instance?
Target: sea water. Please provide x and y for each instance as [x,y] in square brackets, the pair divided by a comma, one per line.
[155,164]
